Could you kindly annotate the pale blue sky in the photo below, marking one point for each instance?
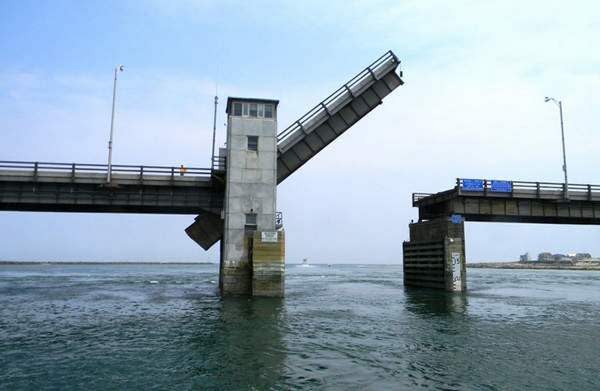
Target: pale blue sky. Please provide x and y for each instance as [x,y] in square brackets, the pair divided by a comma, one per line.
[476,73]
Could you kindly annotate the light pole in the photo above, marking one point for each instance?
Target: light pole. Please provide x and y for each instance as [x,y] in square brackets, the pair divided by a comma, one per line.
[118,69]
[562,131]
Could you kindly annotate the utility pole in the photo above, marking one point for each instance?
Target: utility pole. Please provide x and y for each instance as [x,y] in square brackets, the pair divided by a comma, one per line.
[118,69]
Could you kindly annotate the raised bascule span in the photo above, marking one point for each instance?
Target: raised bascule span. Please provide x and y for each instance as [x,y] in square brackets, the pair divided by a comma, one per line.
[234,200]
[329,119]
[320,126]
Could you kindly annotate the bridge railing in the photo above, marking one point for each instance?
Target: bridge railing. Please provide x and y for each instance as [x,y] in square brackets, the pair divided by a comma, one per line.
[492,186]
[419,196]
[76,169]
[219,163]
[346,91]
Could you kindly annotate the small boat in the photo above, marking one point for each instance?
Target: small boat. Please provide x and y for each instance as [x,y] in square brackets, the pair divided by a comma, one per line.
[304,262]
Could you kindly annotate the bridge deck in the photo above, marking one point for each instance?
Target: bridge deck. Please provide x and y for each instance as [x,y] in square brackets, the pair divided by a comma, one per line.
[516,201]
[60,187]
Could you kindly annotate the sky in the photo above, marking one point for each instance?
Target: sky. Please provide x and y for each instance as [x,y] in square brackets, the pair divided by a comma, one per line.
[475,72]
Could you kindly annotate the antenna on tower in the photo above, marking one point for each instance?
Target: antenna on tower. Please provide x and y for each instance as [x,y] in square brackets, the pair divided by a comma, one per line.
[212,159]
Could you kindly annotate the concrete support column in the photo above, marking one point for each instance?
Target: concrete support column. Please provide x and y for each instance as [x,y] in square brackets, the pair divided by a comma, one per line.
[250,189]
[435,255]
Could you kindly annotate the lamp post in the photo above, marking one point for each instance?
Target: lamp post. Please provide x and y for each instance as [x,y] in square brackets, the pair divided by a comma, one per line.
[562,131]
[118,69]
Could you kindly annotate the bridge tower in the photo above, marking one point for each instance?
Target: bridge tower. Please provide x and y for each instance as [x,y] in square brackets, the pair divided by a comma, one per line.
[252,248]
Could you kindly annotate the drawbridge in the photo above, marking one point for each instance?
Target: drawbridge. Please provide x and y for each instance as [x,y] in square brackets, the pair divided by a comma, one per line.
[319,127]
[75,187]
[235,201]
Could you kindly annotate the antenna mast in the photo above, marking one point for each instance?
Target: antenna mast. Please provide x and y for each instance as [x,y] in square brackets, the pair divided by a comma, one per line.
[214,132]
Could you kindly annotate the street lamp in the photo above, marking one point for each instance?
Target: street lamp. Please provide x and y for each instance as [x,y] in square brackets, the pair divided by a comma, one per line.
[562,130]
[118,69]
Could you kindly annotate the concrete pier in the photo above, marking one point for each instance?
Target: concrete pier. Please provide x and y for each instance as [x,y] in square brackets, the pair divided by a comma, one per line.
[250,196]
[435,255]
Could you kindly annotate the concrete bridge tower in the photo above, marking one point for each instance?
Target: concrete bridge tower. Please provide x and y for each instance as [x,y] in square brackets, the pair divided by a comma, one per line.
[252,248]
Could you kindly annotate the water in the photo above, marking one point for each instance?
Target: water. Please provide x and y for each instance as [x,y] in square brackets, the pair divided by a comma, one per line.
[341,327]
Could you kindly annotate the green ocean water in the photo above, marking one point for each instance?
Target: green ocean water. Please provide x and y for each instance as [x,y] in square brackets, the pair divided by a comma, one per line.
[344,327]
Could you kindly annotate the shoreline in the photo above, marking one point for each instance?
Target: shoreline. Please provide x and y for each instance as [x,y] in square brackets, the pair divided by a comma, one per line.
[533,266]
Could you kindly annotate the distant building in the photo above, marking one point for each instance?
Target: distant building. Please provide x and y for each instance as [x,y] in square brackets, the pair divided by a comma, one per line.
[524,258]
[562,258]
[583,256]
[572,257]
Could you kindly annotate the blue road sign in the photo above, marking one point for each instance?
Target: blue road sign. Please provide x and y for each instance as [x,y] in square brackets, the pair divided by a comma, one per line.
[502,187]
[472,184]
[456,219]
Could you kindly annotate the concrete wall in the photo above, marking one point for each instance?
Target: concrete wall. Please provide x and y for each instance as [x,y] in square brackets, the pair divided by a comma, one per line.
[250,188]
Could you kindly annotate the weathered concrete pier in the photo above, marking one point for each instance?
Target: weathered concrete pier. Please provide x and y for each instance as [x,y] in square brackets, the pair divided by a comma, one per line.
[434,256]
[235,201]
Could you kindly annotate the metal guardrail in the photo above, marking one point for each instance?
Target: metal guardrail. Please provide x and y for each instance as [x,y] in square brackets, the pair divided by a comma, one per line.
[219,163]
[84,168]
[485,187]
[527,186]
[343,91]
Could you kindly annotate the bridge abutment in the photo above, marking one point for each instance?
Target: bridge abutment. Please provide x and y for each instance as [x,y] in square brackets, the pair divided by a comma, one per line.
[252,249]
[434,257]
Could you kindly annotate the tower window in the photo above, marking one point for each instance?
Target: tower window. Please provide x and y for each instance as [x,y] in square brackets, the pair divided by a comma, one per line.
[268,111]
[252,143]
[253,110]
[237,109]
[251,220]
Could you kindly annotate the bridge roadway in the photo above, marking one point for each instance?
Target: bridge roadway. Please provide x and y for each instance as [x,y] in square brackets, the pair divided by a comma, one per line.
[61,187]
[514,201]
